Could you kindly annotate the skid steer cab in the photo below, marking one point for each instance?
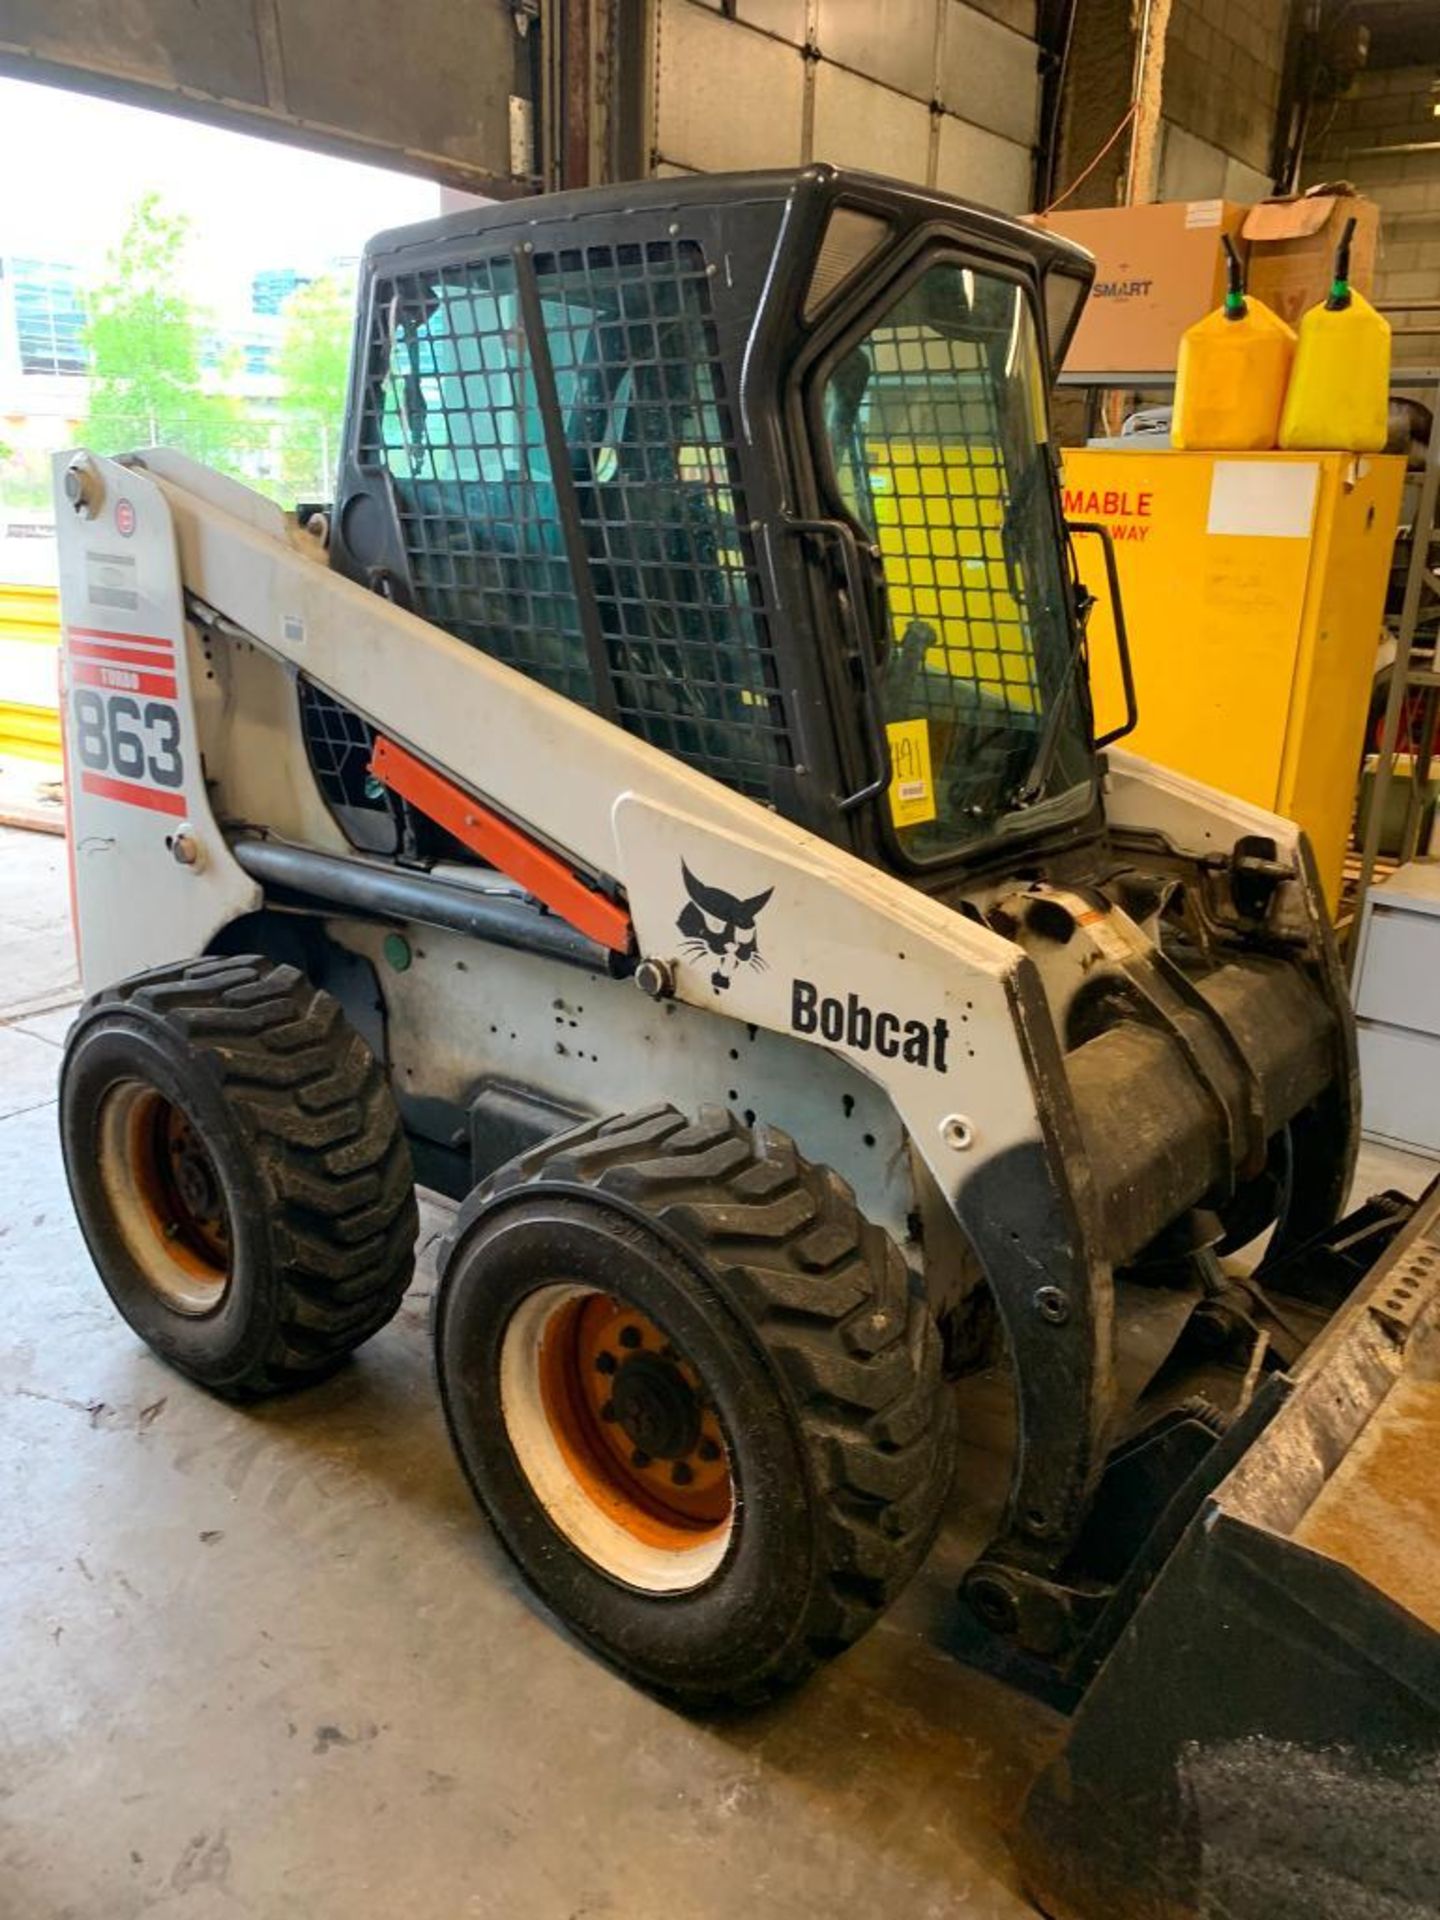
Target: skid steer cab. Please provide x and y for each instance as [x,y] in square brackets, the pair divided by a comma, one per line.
[658,804]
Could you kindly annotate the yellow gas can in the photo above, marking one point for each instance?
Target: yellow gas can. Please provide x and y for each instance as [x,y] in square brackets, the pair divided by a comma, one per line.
[1339,394]
[1231,375]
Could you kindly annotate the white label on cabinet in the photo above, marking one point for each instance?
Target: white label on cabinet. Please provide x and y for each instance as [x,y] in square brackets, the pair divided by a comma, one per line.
[1271,499]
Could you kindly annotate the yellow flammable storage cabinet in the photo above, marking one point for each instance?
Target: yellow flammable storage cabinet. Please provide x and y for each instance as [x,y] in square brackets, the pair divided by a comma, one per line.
[1254,585]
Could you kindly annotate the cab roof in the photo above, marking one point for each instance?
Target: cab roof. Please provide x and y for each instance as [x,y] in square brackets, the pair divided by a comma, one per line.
[811,188]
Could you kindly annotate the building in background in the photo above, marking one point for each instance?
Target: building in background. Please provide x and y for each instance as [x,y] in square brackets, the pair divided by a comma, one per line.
[264,222]
[44,371]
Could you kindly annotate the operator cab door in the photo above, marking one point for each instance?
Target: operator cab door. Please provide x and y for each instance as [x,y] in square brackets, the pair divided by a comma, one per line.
[924,407]
[550,439]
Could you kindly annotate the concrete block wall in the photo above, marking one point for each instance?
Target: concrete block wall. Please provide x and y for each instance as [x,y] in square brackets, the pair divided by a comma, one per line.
[1223,63]
[1389,109]
[1097,92]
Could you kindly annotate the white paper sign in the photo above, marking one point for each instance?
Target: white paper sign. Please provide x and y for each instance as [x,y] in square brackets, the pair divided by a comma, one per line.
[1272,499]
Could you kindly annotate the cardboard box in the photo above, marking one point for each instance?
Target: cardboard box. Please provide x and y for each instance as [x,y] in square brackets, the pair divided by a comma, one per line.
[1158,269]
[1292,242]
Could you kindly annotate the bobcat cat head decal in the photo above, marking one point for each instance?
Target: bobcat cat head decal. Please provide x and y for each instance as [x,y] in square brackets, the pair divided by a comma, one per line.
[717,924]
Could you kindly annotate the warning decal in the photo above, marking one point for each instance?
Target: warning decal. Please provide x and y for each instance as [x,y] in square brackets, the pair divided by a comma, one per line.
[124,726]
[912,789]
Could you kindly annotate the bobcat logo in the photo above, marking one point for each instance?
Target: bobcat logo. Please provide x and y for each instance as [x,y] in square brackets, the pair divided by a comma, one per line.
[716,923]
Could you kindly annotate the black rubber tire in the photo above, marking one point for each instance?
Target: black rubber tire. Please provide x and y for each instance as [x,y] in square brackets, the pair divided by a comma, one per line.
[302,1131]
[824,1367]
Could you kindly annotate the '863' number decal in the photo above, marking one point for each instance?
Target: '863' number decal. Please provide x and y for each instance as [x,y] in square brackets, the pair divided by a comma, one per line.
[138,740]
[128,748]
[124,724]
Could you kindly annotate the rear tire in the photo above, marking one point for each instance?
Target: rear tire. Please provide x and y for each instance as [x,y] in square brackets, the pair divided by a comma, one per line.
[646,1308]
[239,1171]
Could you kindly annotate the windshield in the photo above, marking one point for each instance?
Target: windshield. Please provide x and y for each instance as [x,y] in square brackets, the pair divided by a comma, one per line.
[936,426]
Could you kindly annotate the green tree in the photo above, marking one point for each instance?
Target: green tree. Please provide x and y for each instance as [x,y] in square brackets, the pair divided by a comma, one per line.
[313,365]
[144,337]
[24,478]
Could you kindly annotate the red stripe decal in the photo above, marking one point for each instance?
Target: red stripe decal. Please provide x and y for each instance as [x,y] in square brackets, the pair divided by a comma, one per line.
[86,673]
[127,640]
[107,643]
[68,800]
[155,798]
[119,656]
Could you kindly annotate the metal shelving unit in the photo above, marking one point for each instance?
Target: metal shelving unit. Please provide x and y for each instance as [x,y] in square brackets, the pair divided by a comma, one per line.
[1414,670]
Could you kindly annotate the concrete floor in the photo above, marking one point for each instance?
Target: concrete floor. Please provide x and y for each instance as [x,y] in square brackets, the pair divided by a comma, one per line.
[271,1662]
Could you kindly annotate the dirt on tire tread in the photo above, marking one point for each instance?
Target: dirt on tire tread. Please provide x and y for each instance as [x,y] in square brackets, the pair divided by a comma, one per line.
[316,1108]
[829,1295]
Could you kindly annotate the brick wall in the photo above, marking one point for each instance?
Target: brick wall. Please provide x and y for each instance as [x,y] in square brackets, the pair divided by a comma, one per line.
[1223,65]
[1223,62]
[1097,92]
[1391,108]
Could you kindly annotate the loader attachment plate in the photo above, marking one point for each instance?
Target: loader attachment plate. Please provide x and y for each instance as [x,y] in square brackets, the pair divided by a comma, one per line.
[1263,1736]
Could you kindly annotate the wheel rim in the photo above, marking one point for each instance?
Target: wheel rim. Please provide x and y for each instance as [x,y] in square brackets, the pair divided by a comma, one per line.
[614,1430]
[166,1196]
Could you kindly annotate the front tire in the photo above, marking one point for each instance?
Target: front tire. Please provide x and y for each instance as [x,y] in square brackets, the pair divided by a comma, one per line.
[692,1389]
[239,1171]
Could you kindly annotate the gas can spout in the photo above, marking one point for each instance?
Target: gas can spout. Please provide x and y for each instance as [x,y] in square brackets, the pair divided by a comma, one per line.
[1236,305]
[1339,296]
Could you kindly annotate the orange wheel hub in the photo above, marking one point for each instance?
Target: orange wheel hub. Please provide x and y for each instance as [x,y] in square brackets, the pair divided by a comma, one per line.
[632,1419]
[168,1196]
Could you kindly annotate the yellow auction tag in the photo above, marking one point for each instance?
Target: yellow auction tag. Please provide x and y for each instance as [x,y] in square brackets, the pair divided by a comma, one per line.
[912,791]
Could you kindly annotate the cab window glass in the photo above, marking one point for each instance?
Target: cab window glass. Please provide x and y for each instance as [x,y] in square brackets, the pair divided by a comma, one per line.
[936,429]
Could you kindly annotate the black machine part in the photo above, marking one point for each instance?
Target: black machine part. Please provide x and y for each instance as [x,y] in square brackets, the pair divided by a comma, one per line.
[487,906]
[1262,1740]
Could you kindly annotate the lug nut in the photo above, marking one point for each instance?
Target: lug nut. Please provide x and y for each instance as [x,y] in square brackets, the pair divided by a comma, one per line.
[605,1363]
[639,1458]
[630,1337]
[708,1449]
[682,1474]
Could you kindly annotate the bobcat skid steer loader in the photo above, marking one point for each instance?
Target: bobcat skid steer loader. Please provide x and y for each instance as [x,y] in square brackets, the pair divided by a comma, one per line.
[658,804]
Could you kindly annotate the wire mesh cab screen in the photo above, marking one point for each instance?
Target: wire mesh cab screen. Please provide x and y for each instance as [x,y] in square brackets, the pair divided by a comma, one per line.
[935,419]
[571,504]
